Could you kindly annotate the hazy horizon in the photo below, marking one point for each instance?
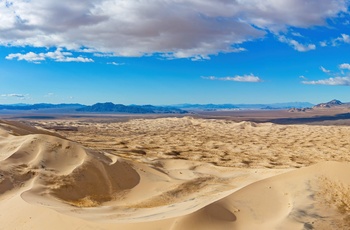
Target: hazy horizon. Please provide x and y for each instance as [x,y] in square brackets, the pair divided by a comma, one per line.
[72,103]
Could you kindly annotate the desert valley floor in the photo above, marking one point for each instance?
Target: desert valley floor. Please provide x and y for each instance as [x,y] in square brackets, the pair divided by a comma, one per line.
[173,173]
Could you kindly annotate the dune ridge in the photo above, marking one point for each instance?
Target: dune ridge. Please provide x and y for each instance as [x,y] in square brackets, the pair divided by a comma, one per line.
[47,181]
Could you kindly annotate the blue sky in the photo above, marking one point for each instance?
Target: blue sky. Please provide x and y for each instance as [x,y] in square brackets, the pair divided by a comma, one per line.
[174,51]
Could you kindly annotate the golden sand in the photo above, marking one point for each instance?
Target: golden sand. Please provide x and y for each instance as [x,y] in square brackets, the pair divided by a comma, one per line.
[173,173]
[220,142]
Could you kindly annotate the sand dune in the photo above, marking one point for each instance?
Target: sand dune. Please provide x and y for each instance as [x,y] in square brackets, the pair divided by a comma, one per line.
[50,182]
[316,197]
[219,142]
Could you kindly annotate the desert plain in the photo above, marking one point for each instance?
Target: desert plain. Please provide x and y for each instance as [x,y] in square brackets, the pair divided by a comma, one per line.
[174,173]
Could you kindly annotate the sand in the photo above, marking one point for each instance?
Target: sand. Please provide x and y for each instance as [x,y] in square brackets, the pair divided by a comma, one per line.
[173,173]
[220,142]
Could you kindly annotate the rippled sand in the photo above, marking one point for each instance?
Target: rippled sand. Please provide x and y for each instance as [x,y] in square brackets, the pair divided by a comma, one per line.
[173,173]
[220,142]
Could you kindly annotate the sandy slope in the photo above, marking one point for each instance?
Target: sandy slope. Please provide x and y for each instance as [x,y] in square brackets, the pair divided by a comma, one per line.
[47,182]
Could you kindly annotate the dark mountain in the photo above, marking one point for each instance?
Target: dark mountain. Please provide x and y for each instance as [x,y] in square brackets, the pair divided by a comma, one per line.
[293,110]
[109,107]
[330,104]
[40,106]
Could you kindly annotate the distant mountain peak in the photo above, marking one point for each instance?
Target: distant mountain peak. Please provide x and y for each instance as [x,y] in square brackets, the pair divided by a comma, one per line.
[335,102]
[329,104]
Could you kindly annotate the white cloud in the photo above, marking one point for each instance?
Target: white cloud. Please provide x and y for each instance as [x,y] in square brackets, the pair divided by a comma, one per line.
[244,78]
[275,15]
[57,56]
[344,66]
[296,45]
[178,28]
[302,77]
[344,38]
[323,44]
[18,96]
[30,57]
[324,70]
[338,78]
[13,95]
[300,47]
[296,34]
[115,63]
[330,81]
[75,59]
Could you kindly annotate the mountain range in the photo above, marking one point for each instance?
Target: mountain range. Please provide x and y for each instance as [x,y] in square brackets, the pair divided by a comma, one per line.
[40,106]
[110,107]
